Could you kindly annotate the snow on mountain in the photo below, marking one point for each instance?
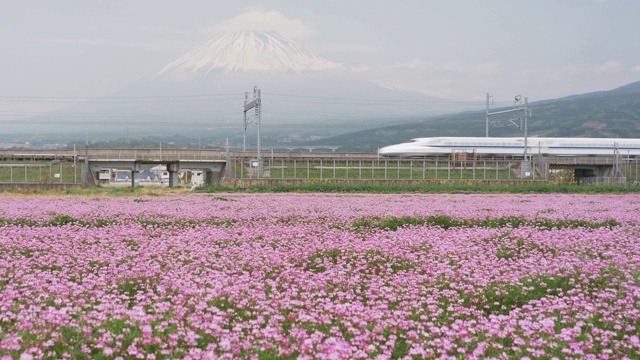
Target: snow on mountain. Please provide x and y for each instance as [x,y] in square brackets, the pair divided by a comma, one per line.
[250,50]
[302,92]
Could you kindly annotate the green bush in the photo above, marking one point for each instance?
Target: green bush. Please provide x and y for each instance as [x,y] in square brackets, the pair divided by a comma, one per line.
[426,188]
[446,222]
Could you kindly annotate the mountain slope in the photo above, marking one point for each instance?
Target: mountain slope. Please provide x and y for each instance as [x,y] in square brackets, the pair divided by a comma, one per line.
[201,94]
[614,113]
[249,51]
[305,96]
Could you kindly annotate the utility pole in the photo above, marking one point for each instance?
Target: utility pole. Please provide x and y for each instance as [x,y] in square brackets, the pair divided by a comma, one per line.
[525,115]
[255,104]
[517,107]
[248,105]
[86,166]
[75,165]
[486,130]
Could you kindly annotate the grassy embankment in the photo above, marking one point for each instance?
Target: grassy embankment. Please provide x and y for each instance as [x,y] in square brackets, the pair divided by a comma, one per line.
[444,187]
[321,187]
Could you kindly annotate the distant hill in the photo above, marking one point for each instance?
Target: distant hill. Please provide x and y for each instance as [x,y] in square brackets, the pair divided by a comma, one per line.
[611,114]
[201,95]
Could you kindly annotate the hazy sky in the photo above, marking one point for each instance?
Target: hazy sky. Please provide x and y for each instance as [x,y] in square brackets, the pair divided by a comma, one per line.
[537,48]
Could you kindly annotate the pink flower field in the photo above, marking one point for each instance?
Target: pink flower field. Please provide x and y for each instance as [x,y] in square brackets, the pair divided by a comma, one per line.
[320,276]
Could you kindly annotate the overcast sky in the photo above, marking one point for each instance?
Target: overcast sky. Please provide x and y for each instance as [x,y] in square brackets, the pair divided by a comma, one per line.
[537,48]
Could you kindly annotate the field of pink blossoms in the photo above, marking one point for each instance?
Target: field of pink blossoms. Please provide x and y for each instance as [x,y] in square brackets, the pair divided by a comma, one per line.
[320,276]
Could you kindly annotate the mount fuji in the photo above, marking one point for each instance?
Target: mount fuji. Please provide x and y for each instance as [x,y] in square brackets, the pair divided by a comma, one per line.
[304,95]
[247,50]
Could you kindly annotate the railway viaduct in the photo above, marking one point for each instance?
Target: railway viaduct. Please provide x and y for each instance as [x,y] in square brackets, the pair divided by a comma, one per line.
[218,164]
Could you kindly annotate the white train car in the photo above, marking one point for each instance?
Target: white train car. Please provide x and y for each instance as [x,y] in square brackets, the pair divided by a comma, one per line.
[514,146]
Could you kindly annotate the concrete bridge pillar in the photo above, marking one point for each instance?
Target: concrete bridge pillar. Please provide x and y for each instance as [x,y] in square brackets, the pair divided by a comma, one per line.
[135,178]
[173,170]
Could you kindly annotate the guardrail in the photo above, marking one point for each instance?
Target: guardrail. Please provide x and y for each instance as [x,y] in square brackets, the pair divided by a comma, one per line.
[154,154]
[584,160]
[220,154]
[117,154]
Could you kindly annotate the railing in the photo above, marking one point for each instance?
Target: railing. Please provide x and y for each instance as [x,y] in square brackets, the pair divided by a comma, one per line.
[155,154]
[197,154]
[114,154]
[419,169]
[384,169]
[585,160]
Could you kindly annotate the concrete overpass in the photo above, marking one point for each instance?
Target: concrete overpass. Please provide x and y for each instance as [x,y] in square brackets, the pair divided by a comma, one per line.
[213,163]
[588,169]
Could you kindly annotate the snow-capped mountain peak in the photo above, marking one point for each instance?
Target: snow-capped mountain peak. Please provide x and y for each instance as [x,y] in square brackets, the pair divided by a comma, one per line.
[249,50]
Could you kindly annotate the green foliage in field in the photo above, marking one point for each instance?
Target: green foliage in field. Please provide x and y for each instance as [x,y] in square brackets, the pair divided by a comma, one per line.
[446,222]
[426,188]
[62,220]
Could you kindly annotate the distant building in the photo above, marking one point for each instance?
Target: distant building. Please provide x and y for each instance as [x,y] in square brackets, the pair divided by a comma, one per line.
[155,175]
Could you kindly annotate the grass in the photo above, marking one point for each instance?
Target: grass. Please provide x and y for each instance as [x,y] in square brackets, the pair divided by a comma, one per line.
[39,172]
[62,220]
[425,187]
[446,222]
[344,186]
[100,191]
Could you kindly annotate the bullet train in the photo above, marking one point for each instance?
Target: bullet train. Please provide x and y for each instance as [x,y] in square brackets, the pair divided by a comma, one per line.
[514,146]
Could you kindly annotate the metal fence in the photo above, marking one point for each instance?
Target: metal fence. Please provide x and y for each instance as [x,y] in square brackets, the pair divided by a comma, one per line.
[46,172]
[417,169]
[386,169]
[69,171]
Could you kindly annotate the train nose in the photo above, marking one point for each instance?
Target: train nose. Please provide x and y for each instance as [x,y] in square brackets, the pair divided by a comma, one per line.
[391,150]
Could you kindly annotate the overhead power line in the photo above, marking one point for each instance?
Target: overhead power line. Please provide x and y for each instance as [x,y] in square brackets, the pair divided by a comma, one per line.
[427,101]
[400,107]
[219,97]
[108,101]
[67,114]
[80,98]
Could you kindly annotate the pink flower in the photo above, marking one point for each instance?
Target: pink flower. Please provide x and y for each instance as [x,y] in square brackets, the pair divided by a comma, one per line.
[146,330]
